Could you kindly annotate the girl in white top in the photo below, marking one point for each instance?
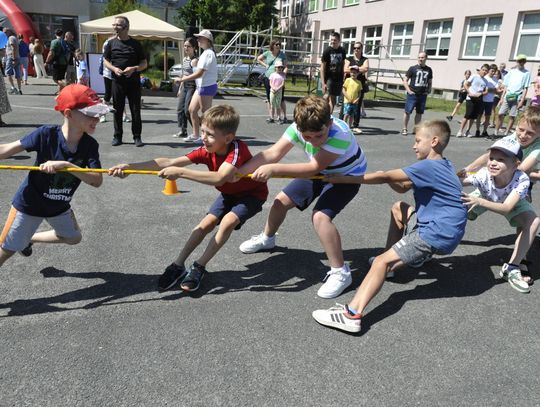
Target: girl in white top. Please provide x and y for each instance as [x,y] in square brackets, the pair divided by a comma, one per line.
[205,77]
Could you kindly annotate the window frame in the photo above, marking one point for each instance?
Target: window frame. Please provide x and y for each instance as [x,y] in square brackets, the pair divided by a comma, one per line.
[520,33]
[285,5]
[374,42]
[348,42]
[439,36]
[403,38]
[482,35]
[298,7]
[313,2]
[326,7]
[352,3]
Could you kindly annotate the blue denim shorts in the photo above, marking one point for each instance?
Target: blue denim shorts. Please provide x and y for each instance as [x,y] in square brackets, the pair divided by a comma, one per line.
[415,101]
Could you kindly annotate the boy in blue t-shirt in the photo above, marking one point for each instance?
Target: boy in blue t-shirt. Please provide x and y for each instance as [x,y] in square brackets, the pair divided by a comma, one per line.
[46,194]
[440,219]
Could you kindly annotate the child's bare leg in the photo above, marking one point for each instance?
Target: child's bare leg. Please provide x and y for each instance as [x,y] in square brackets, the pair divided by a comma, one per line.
[511,120]
[206,225]
[374,280]
[500,120]
[399,217]
[417,118]
[278,212]
[528,226]
[50,236]
[329,237]
[226,227]
[4,255]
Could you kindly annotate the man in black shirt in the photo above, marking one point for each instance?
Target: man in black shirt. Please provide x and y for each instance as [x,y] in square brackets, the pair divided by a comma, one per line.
[417,84]
[332,63]
[125,58]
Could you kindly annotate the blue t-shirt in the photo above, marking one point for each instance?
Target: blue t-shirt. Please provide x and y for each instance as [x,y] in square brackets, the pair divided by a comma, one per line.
[48,195]
[441,216]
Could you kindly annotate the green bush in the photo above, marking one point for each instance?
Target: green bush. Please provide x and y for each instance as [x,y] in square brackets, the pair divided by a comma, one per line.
[158,61]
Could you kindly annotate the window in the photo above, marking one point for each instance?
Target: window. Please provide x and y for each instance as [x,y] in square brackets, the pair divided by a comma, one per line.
[348,37]
[401,39]
[298,7]
[350,2]
[325,39]
[48,24]
[437,40]
[172,45]
[482,37]
[309,41]
[330,4]
[313,6]
[372,40]
[529,36]
[285,8]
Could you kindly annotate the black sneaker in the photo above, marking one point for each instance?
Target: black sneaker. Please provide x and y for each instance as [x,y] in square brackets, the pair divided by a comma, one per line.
[485,134]
[449,118]
[192,281]
[270,120]
[477,133]
[116,141]
[27,251]
[138,142]
[172,275]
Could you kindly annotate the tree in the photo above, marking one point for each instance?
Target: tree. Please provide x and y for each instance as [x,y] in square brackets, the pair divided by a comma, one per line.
[232,15]
[117,7]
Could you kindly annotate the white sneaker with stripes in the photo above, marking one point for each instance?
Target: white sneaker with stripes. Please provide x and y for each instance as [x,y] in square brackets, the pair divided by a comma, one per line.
[338,317]
[335,282]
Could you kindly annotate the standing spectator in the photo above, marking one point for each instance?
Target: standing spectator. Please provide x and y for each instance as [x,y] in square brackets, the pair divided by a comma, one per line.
[417,84]
[83,76]
[187,88]
[277,81]
[24,51]
[476,88]
[362,63]
[124,56]
[516,83]
[107,80]
[535,101]
[502,69]
[39,64]
[352,88]
[462,95]
[5,107]
[497,99]
[71,69]
[332,69]
[57,57]
[3,43]
[268,59]
[13,63]
[488,101]
[206,82]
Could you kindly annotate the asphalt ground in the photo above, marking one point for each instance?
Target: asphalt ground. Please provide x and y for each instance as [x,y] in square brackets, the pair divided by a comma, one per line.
[84,325]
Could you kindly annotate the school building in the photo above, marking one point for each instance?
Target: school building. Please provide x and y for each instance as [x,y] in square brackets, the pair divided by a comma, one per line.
[457,35]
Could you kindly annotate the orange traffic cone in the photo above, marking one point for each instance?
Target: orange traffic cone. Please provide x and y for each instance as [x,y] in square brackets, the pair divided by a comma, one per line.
[170,188]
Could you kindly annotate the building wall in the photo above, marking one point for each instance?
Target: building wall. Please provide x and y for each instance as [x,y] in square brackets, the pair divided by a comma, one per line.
[448,69]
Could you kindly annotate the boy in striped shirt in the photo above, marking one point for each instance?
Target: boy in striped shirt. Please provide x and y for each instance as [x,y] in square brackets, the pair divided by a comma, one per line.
[331,148]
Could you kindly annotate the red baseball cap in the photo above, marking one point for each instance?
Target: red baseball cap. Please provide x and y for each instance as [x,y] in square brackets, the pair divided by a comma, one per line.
[81,98]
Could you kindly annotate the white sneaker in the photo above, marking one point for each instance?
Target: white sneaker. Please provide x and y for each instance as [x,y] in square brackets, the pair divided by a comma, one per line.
[335,282]
[192,139]
[102,119]
[338,317]
[459,134]
[512,274]
[468,134]
[258,243]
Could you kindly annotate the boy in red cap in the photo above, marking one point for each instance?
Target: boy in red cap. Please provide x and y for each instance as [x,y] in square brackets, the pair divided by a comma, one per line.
[46,194]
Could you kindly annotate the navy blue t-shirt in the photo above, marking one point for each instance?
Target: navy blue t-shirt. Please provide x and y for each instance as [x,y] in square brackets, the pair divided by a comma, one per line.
[48,195]
[441,216]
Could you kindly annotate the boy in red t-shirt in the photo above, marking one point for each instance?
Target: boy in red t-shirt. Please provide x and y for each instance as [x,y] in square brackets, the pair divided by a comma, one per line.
[238,201]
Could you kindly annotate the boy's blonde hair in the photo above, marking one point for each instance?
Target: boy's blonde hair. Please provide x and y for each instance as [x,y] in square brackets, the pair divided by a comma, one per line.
[223,118]
[311,113]
[436,128]
[532,116]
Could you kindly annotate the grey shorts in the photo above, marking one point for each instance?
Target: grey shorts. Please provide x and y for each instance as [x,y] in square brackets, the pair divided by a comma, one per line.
[24,226]
[412,249]
[509,107]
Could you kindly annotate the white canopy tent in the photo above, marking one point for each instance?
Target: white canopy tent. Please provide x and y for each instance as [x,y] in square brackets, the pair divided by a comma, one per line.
[141,26]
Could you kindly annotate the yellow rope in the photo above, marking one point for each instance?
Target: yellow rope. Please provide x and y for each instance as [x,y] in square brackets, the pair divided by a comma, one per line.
[143,172]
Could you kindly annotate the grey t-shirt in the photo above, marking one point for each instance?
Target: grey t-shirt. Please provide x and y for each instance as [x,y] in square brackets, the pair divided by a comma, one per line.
[12,47]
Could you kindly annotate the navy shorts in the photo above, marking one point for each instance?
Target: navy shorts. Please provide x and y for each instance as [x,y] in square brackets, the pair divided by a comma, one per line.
[417,102]
[332,197]
[488,108]
[208,90]
[244,207]
[335,88]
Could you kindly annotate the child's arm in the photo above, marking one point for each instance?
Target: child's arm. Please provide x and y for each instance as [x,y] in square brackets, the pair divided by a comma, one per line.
[397,177]
[502,208]
[224,174]
[319,162]
[271,155]
[90,178]
[528,164]
[152,165]
[534,175]
[480,162]
[9,149]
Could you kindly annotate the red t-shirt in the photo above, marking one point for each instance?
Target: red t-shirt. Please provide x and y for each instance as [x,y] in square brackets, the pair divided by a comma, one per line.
[237,155]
